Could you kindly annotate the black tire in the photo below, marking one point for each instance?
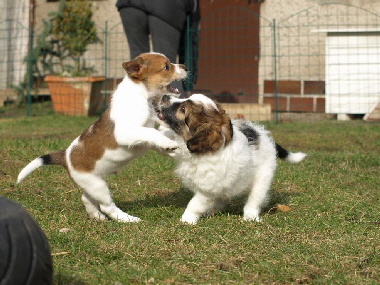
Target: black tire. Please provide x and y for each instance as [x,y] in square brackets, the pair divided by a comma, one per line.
[25,257]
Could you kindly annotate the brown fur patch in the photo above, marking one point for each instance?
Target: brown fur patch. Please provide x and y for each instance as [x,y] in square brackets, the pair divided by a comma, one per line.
[154,70]
[58,158]
[209,129]
[93,142]
[134,68]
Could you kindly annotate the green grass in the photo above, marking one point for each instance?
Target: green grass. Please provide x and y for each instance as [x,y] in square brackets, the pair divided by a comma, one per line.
[20,109]
[330,235]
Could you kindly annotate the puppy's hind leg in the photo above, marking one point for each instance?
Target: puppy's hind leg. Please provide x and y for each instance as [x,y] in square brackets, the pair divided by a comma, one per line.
[97,199]
[92,208]
[259,193]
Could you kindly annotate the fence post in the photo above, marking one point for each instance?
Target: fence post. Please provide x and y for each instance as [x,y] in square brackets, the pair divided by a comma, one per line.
[30,65]
[274,54]
[105,63]
[188,52]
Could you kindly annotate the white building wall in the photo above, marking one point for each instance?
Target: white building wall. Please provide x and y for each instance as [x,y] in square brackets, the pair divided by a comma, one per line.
[300,44]
[14,23]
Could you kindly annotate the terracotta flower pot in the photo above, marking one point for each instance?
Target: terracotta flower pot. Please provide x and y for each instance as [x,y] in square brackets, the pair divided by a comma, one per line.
[76,96]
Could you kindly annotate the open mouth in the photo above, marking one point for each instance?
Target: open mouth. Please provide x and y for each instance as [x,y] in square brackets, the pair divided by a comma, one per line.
[172,90]
[160,116]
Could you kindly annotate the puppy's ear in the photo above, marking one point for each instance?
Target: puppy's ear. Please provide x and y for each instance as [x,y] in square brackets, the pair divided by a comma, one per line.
[210,135]
[135,68]
[226,125]
[205,141]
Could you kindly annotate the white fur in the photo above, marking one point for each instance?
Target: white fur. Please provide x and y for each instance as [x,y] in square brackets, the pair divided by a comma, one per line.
[295,157]
[134,134]
[234,170]
[200,98]
[38,162]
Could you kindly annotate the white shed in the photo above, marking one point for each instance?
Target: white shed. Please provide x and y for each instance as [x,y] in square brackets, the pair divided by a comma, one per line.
[352,71]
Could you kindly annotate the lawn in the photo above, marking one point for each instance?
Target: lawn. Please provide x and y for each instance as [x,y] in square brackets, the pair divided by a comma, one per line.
[329,236]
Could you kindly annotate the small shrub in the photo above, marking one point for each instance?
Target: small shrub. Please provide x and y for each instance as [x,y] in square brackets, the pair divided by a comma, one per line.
[64,39]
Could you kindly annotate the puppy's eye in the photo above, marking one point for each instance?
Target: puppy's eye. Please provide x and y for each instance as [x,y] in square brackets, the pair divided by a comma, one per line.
[183,109]
[167,66]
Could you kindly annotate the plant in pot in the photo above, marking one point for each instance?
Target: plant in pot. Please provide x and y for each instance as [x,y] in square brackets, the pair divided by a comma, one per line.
[60,50]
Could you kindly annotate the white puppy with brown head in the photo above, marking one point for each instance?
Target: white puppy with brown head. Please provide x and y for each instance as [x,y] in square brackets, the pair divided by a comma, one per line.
[217,158]
[124,131]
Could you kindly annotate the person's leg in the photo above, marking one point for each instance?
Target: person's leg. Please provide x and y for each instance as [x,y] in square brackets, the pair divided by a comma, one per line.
[135,24]
[165,40]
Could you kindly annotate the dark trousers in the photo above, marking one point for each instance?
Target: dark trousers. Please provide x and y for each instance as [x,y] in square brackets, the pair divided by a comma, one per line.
[138,25]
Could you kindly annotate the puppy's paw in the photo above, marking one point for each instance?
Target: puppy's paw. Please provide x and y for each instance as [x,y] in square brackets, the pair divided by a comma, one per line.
[169,145]
[128,219]
[171,153]
[190,219]
[251,214]
[252,217]
[98,216]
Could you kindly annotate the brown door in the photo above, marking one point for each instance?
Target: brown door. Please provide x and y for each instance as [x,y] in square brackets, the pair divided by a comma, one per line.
[229,50]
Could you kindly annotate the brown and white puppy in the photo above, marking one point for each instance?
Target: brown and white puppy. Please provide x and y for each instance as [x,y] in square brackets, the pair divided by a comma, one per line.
[217,158]
[124,131]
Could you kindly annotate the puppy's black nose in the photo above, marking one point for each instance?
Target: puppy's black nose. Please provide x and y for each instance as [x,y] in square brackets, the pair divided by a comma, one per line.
[183,66]
[165,98]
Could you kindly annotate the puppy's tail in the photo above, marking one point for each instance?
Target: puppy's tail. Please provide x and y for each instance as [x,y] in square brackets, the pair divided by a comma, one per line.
[54,158]
[292,157]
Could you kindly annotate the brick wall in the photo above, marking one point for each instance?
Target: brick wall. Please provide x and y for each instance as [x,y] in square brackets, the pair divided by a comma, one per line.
[296,96]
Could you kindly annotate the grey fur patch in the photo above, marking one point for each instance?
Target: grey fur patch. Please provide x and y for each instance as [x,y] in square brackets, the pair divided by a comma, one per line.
[249,131]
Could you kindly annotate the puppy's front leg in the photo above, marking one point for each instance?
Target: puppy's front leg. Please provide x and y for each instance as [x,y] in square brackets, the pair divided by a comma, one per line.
[142,135]
[171,135]
[167,132]
[198,206]
[259,193]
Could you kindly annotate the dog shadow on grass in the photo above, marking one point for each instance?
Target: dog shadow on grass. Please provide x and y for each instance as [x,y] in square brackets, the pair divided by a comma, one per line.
[176,199]
[66,280]
[180,198]
[235,207]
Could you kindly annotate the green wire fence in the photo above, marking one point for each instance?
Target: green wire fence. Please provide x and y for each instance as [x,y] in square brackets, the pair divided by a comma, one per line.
[319,63]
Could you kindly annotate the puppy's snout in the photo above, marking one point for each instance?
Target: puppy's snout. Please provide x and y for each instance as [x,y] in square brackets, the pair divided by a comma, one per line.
[182,66]
[165,98]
